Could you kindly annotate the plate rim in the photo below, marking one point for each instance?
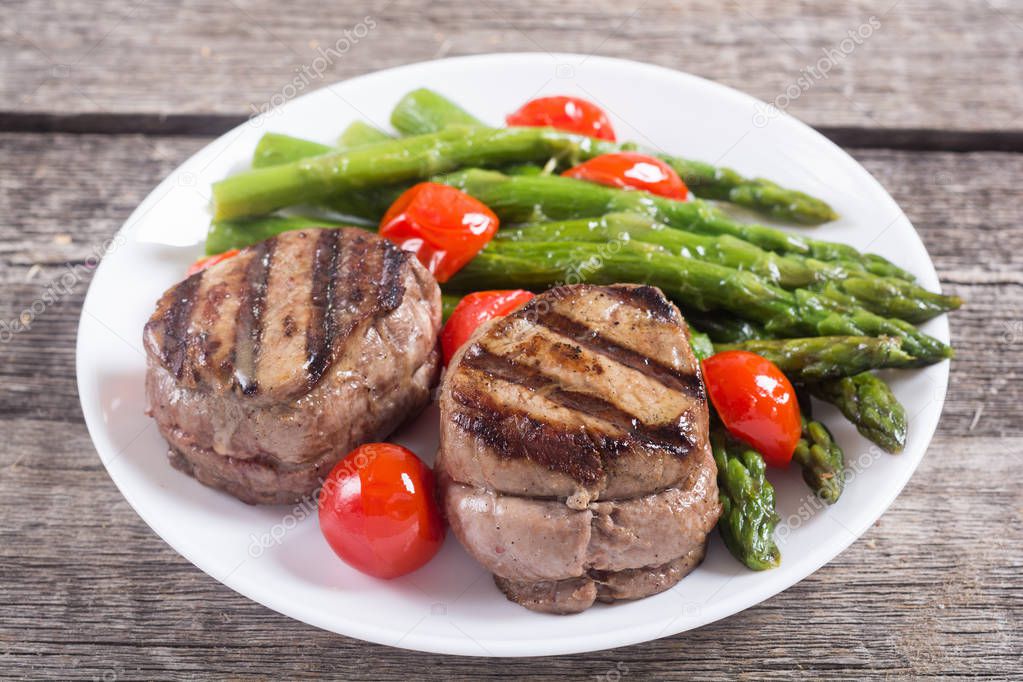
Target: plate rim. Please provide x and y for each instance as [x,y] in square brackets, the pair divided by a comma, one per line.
[635,633]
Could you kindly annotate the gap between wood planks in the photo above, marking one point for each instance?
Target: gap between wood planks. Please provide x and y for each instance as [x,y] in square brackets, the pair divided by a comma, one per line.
[905,139]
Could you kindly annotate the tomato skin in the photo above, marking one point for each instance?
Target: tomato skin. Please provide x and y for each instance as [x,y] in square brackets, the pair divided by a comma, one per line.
[209,261]
[756,402]
[474,310]
[444,227]
[570,114]
[378,511]
[632,170]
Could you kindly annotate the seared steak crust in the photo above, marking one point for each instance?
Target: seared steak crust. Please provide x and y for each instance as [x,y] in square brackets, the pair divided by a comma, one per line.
[585,392]
[266,368]
[574,460]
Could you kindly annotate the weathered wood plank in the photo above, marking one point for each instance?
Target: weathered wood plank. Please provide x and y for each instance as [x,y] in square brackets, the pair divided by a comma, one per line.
[89,591]
[922,64]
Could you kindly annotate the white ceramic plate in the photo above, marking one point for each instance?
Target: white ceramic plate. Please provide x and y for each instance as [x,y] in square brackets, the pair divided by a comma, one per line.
[276,556]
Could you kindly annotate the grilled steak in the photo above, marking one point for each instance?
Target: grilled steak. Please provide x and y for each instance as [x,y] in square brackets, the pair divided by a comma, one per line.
[267,368]
[574,461]
[578,594]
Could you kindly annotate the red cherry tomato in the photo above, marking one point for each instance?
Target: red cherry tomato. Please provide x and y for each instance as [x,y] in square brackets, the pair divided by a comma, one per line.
[443,226]
[208,261]
[474,310]
[755,401]
[571,114]
[378,511]
[632,170]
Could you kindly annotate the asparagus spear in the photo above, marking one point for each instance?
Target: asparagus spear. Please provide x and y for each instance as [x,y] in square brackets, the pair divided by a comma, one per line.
[703,348]
[868,402]
[448,303]
[882,295]
[314,179]
[724,249]
[826,357]
[695,284]
[359,133]
[724,327]
[275,149]
[758,194]
[748,515]
[537,199]
[510,197]
[891,297]
[524,169]
[821,459]
[425,111]
[225,235]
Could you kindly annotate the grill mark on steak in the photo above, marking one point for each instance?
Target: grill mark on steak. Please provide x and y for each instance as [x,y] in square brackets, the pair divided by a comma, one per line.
[249,328]
[174,348]
[320,332]
[645,298]
[358,299]
[670,437]
[391,289]
[688,383]
[516,434]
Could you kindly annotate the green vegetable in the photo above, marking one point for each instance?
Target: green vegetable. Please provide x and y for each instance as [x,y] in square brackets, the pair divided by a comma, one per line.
[359,133]
[701,343]
[692,283]
[524,169]
[748,515]
[724,249]
[424,111]
[724,327]
[868,402]
[524,199]
[275,149]
[315,179]
[882,295]
[891,297]
[822,461]
[225,235]
[826,357]
[448,303]
[758,194]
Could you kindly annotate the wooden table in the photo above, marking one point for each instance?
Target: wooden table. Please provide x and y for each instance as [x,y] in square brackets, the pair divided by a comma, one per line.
[100,100]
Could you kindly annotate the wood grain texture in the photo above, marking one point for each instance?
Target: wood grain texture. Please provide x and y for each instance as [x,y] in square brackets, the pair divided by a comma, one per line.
[933,64]
[88,591]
